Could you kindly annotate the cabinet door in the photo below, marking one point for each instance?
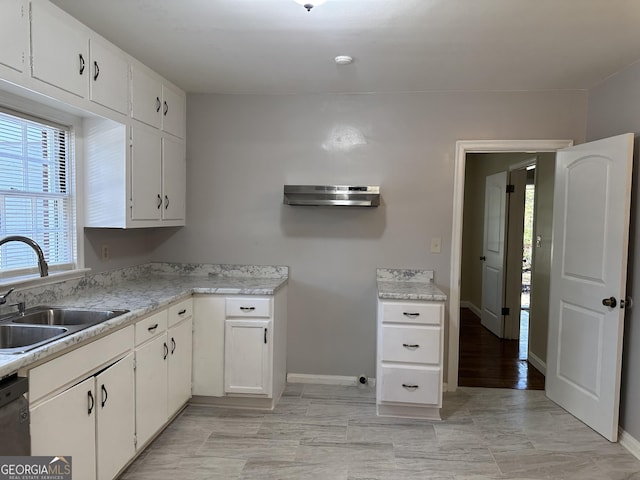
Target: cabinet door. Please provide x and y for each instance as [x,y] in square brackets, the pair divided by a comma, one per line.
[174,180]
[180,358]
[151,388]
[173,112]
[115,418]
[14,29]
[109,77]
[59,49]
[146,97]
[65,426]
[146,179]
[246,360]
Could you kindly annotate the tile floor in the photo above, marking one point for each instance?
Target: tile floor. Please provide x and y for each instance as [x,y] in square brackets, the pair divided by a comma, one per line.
[324,432]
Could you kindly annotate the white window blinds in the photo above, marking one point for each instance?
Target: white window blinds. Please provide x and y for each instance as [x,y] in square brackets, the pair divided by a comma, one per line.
[35,194]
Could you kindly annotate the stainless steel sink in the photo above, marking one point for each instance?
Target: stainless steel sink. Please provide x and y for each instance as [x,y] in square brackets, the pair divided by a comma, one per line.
[14,338]
[65,316]
[37,326]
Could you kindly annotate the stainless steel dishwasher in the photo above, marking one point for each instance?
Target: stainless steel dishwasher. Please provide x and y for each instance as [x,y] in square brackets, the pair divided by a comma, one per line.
[14,417]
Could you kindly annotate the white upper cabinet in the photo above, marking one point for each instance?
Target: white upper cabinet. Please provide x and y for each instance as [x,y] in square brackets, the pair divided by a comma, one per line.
[156,103]
[59,49]
[14,34]
[146,175]
[146,97]
[174,180]
[173,111]
[109,76]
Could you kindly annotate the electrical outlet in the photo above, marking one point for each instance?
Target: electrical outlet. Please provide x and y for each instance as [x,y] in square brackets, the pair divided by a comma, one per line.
[105,253]
[436,244]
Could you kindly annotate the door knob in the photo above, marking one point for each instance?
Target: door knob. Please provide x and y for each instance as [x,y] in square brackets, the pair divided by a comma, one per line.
[609,302]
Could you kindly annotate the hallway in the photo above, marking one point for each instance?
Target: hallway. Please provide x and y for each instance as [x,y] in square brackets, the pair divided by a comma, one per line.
[487,361]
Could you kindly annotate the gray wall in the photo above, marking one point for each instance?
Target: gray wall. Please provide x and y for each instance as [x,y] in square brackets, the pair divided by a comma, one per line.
[613,110]
[242,149]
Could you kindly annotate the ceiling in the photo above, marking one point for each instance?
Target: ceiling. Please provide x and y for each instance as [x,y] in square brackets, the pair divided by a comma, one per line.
[276,46]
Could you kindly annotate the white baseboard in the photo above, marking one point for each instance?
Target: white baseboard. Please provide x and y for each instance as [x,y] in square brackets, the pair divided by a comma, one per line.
[325,379]
[537,363]
[472,307]
[628,442]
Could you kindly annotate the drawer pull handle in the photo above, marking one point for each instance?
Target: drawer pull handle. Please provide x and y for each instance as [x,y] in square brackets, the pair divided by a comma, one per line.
[411,314]
[410,345]
[412,387]
[166,351]
[182,312]
[91,402]
[153,327]
[247,309]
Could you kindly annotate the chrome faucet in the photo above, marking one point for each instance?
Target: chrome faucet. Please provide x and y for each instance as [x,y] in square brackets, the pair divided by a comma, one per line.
[3,298]
[42,263]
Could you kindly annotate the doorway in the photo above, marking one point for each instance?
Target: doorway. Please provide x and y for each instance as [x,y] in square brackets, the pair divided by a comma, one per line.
[497,263]
[462,149]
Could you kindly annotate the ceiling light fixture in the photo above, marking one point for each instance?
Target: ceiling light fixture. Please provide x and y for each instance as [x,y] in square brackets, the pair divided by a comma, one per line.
[308,4]
[343,60]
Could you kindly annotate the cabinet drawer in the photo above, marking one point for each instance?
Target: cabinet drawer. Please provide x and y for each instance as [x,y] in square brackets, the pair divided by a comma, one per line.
[248,307]
[410,344]
[180,311]
[410,385]
[150,327]
[415,312]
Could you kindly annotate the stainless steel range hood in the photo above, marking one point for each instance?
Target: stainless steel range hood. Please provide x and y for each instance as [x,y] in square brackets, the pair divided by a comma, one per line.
[332,195]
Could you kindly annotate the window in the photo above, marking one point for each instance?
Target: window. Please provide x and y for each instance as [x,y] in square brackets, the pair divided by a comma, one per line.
[36,194]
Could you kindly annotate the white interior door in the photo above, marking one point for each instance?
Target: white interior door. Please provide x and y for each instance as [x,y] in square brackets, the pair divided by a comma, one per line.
[493,252]
[588,269]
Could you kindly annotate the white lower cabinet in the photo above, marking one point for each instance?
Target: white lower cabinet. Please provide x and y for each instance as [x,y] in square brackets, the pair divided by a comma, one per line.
[246,356]
[151,388]
[240,349]
[410,358]
[163,368]
[88,417]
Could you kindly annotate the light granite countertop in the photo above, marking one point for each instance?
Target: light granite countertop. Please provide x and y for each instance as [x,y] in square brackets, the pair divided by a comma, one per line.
[403,284]
[141,291]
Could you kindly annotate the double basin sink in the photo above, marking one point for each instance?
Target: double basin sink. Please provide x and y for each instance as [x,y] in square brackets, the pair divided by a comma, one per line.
[37,326]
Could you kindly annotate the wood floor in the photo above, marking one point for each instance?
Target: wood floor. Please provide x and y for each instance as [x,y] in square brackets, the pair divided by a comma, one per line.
[488,361]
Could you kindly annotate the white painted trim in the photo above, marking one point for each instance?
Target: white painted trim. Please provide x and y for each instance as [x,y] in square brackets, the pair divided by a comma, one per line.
[627,441]
[471,306]
[326,379]
[462,148]
[537,363]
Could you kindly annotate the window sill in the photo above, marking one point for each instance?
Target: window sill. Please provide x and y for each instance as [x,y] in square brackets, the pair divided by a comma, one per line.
[34,280]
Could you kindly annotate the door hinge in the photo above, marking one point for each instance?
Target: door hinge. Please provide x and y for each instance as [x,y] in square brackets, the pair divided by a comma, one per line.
[135,440]
[505,311]
[511,188]
[135,364]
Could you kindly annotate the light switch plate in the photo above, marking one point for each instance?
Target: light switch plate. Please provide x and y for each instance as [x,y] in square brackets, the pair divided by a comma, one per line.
[436,244]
